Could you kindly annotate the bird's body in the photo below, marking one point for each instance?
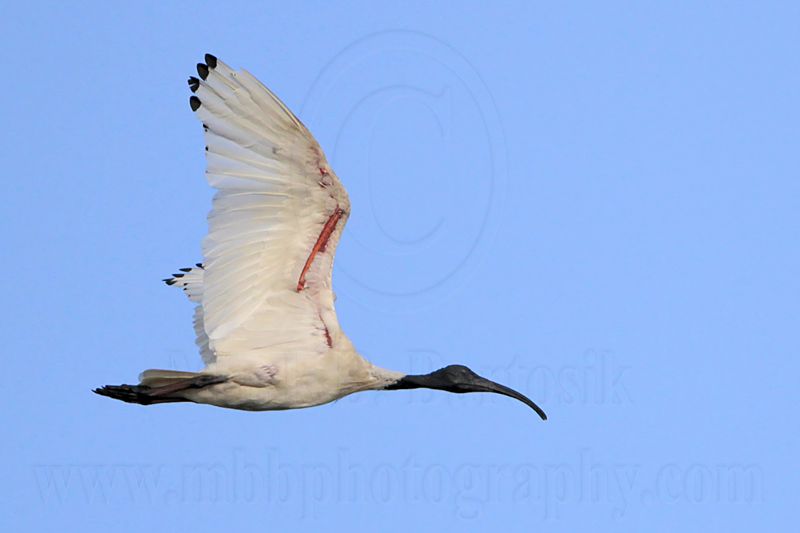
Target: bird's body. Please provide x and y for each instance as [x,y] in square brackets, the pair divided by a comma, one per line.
[264,316]
[284,383]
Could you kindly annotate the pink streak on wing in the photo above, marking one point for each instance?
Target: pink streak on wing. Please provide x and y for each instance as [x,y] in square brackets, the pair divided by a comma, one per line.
[319,246]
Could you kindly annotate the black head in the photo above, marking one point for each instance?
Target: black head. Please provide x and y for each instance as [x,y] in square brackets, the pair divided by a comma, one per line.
[460,379]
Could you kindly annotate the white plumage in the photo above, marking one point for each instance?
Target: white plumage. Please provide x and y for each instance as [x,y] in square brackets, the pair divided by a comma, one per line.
[264,318]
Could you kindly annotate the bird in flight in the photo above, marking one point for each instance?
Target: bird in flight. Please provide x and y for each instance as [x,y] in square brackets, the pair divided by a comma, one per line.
[264,312]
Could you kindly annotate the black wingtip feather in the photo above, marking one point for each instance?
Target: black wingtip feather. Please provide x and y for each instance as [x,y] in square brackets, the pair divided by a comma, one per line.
[194,103]
[170,281]
[202,70]
[194,83]
[211,61]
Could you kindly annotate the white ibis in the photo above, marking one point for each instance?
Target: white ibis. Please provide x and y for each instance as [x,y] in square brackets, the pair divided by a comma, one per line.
[264,316]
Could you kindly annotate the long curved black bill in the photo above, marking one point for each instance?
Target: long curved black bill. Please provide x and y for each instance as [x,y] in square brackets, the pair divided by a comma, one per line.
[486,385]
[460,379]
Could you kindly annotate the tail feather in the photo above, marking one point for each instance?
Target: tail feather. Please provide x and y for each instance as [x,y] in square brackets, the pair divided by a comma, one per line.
[168,389]
[155,377]
[141,394]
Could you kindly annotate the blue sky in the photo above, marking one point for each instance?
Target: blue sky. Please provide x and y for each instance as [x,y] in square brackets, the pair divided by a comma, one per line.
[596,204]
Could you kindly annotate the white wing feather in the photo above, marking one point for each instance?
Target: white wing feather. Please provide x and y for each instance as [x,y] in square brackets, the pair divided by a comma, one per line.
[191,281]
[275,194]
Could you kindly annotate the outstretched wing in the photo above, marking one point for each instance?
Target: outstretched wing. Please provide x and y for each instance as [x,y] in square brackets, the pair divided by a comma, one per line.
[276,219]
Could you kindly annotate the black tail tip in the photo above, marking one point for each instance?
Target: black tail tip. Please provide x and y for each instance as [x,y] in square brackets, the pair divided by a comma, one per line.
[126,393]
